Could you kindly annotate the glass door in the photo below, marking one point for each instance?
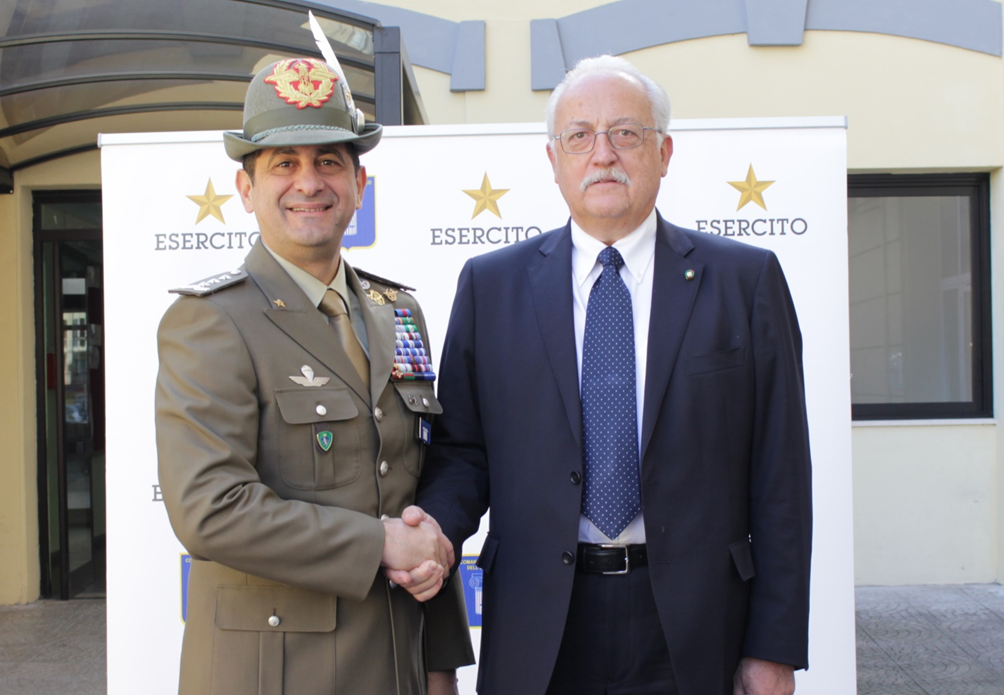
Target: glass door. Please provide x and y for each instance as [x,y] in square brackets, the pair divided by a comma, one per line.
[69,306]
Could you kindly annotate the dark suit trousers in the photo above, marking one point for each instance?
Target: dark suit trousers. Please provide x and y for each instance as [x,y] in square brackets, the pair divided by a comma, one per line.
[613,643]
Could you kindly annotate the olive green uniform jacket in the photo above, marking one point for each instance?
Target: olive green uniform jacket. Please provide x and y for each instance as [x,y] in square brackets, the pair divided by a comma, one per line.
[283,521]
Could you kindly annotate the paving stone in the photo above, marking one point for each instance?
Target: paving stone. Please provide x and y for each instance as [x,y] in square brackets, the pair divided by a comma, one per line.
[911,640]
[930,640]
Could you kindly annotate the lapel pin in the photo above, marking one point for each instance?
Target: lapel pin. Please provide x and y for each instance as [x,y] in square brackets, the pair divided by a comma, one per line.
[376,297]
[689,275]
[364,283]
[279,303]
[391,294]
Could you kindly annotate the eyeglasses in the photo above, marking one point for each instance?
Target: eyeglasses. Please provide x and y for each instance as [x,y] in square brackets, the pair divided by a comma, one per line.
[625,136]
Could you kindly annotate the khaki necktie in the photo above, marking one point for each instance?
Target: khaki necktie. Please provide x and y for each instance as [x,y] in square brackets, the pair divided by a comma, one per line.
[334,307]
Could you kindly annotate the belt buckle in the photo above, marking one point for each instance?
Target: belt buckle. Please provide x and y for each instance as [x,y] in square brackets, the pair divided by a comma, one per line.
[627,558]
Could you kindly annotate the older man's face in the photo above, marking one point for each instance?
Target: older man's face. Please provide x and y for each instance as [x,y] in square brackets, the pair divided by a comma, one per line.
[609,192]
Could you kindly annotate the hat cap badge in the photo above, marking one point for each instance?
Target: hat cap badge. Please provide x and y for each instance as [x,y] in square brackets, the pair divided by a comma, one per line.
[303,82]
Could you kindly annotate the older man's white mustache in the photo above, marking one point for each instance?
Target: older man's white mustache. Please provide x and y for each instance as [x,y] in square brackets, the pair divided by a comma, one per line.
[602,175]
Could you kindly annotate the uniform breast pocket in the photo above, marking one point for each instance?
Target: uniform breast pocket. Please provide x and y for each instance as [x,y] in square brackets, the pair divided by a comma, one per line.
[419,405]
[320,438]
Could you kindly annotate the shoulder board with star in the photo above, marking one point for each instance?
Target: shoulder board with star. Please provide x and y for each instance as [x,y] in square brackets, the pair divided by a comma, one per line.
[384,281]
[212,284]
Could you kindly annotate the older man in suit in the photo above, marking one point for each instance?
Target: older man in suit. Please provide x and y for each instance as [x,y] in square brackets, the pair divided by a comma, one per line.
[290,438]
[627,397]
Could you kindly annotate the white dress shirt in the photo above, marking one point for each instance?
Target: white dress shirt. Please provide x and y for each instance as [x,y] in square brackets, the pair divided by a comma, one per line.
[638,251]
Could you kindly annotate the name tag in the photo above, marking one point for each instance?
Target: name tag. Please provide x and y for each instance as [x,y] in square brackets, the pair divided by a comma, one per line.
[424,431]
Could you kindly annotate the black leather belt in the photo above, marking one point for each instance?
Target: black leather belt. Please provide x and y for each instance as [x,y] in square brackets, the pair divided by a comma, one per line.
[611,559]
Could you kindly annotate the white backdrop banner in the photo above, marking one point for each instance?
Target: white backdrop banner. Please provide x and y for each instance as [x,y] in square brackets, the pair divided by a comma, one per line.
[437,196]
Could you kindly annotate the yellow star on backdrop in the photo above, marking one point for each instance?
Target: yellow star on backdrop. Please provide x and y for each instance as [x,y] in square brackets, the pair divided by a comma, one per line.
[209,203]
[487,198]
[751,189]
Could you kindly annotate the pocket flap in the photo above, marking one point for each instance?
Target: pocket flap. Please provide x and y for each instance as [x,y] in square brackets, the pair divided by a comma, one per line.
[488,552]
[418,397]
[715,361]
[297,610]
[303,406]
[742,556]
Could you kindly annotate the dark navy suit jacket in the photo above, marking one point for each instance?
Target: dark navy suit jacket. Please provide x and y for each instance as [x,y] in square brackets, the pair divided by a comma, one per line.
[724,456]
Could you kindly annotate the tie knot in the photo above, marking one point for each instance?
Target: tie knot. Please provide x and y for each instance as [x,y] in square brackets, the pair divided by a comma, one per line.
[332,304]
[611,256]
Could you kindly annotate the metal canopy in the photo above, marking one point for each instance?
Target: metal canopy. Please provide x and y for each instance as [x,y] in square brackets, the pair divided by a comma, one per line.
[70,69]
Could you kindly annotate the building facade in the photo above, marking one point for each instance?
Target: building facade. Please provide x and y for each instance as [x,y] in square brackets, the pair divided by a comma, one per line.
[922,87]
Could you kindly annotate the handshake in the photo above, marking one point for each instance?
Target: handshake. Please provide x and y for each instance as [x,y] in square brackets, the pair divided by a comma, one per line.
[416,554]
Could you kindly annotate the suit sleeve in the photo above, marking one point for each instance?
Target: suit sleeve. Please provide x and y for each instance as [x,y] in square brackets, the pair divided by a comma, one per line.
[447,634]
[780,480]
[207,416]
[454,484]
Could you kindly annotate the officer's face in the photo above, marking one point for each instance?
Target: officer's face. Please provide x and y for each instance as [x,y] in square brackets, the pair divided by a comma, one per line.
[303,198]
[609,192]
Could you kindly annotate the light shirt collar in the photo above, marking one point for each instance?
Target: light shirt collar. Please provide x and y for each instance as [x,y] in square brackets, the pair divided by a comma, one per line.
[637,249]
[311,286]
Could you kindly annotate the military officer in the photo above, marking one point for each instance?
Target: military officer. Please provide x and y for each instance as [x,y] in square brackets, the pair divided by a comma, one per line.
[290,435]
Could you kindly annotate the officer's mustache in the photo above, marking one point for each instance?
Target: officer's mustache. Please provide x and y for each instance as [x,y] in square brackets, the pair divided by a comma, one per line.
[608,174]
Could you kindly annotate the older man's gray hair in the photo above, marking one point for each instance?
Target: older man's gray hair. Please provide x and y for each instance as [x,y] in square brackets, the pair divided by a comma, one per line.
[611,64]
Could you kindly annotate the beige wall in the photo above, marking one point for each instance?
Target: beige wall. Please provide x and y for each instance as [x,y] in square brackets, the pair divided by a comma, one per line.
[18,498]
[926,503]
[19,571]
[997,262]
[911,105]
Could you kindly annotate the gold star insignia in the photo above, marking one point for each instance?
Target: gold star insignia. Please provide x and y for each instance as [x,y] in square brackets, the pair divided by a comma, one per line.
[209,203]
[279,303]
[487,198]
[751,189]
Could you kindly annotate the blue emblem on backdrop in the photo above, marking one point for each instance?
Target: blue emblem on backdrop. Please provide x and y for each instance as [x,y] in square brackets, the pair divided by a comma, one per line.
[470,574]
[186,568]
[361,231]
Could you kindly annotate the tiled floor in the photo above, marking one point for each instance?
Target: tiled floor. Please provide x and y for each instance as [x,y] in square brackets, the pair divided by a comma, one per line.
[912,640]
[53,647]
[931,640]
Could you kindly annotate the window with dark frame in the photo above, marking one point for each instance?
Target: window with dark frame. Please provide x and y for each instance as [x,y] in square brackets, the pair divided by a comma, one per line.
[919,270]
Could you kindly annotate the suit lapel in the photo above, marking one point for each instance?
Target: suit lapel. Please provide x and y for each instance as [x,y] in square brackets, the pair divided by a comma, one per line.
[380,335]
[673,297]
[294,315]
[550,282]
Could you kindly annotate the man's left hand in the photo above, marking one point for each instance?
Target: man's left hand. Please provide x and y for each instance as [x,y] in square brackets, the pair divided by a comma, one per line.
[759,677]
[443,683]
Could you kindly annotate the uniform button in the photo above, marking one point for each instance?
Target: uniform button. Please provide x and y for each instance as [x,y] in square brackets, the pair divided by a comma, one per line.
[575,478]
[425,402]
[384,469]
[384,517]
[567,558]
[321,410]
[378,414]
[274,621]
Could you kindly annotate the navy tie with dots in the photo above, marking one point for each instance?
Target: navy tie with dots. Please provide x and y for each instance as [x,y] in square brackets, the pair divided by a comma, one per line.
[611,497]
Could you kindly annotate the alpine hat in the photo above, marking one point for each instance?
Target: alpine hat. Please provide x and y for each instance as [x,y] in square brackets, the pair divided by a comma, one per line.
[300,101]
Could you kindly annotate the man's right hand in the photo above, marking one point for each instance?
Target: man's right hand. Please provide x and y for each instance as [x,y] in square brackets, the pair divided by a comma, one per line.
[417,556]
[405,546]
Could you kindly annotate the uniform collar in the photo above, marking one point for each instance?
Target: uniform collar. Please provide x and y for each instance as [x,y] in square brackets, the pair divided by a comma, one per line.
[311,286]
